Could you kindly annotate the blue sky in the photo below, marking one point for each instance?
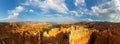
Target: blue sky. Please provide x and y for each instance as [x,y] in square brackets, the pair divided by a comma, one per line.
[59,10]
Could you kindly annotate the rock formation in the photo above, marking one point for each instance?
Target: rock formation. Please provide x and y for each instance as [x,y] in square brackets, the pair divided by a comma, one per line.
[45,33]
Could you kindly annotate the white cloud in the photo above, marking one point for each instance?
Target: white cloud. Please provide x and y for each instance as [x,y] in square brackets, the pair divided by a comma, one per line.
[109,11]
[31,10]
[74,13]
[15,13]
[81,8]
[79,2]
[58,6]
[106,10]
[116,4]
[46,5]
[114,17]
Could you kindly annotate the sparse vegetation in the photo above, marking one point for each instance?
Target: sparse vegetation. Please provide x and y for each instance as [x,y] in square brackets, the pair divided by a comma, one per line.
[56,26]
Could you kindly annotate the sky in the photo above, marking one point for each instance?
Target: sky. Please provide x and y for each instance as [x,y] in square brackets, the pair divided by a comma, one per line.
[59,10]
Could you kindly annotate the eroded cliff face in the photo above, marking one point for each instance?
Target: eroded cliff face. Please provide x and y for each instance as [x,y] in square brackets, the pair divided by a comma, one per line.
[80,35]
[107,33]
[21,33]
[32,33]
[45,33]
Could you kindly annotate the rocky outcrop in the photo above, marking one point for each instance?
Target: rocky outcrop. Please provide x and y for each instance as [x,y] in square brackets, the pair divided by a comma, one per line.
[21,33]
[80,35]
[107,33]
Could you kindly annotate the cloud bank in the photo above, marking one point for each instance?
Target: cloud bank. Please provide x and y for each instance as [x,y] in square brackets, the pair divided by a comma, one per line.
[13,14]
[109,11]
[105,10]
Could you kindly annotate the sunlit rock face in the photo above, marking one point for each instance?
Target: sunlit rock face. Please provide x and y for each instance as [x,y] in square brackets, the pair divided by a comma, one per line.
[21,33]
[56,36]
[80,35]
[101,33]
[32,33]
